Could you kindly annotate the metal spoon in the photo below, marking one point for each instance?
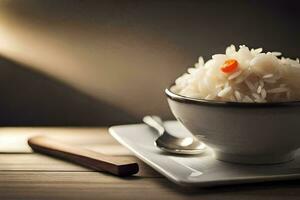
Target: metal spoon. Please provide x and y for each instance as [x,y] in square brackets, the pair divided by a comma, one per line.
[170,143]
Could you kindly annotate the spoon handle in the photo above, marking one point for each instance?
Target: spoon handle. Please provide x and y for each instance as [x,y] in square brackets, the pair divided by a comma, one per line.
[153,122]
[84,157]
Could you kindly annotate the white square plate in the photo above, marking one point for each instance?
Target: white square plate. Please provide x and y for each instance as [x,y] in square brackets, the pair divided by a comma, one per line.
[201,170]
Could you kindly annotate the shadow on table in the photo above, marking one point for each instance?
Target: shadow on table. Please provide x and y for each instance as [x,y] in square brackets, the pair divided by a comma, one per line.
[30,98]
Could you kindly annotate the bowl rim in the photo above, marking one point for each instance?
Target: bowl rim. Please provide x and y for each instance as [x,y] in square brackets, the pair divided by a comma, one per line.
[190,100]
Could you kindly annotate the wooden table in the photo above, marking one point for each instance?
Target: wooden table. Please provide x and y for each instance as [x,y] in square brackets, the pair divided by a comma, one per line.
[27,175]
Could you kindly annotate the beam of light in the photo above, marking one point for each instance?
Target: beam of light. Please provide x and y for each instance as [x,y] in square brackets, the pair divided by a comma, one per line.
[107,62]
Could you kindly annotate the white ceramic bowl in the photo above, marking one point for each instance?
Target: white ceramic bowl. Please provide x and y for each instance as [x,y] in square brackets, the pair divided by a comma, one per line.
[249,133]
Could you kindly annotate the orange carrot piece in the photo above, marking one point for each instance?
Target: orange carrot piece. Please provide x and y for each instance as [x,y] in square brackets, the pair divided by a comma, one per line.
[229,66]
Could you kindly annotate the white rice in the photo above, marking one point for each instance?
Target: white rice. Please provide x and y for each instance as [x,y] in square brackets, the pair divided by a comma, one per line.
[278,90]
[237,95]
[259,89]
[256,96]
[275,53]
[234,75]
[224,92]
[247,99]
[260,77]
[250,85]
[268,76]
[263,94]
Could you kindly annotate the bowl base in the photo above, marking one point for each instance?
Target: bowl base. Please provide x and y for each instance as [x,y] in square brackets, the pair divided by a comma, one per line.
[254,160]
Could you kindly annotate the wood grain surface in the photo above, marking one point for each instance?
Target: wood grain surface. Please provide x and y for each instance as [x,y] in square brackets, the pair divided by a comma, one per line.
[27,175]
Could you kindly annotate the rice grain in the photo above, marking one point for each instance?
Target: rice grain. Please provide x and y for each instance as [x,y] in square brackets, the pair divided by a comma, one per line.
[225,91]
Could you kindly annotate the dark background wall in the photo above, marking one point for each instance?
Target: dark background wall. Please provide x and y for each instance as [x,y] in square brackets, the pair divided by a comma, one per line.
[108,62]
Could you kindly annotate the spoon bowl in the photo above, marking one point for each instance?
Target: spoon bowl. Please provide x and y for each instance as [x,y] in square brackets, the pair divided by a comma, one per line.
[169,143]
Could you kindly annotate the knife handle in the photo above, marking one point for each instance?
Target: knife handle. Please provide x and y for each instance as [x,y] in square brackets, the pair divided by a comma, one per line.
[97,161]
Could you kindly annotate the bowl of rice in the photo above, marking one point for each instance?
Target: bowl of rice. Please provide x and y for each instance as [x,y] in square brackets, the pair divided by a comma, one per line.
[244,104]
